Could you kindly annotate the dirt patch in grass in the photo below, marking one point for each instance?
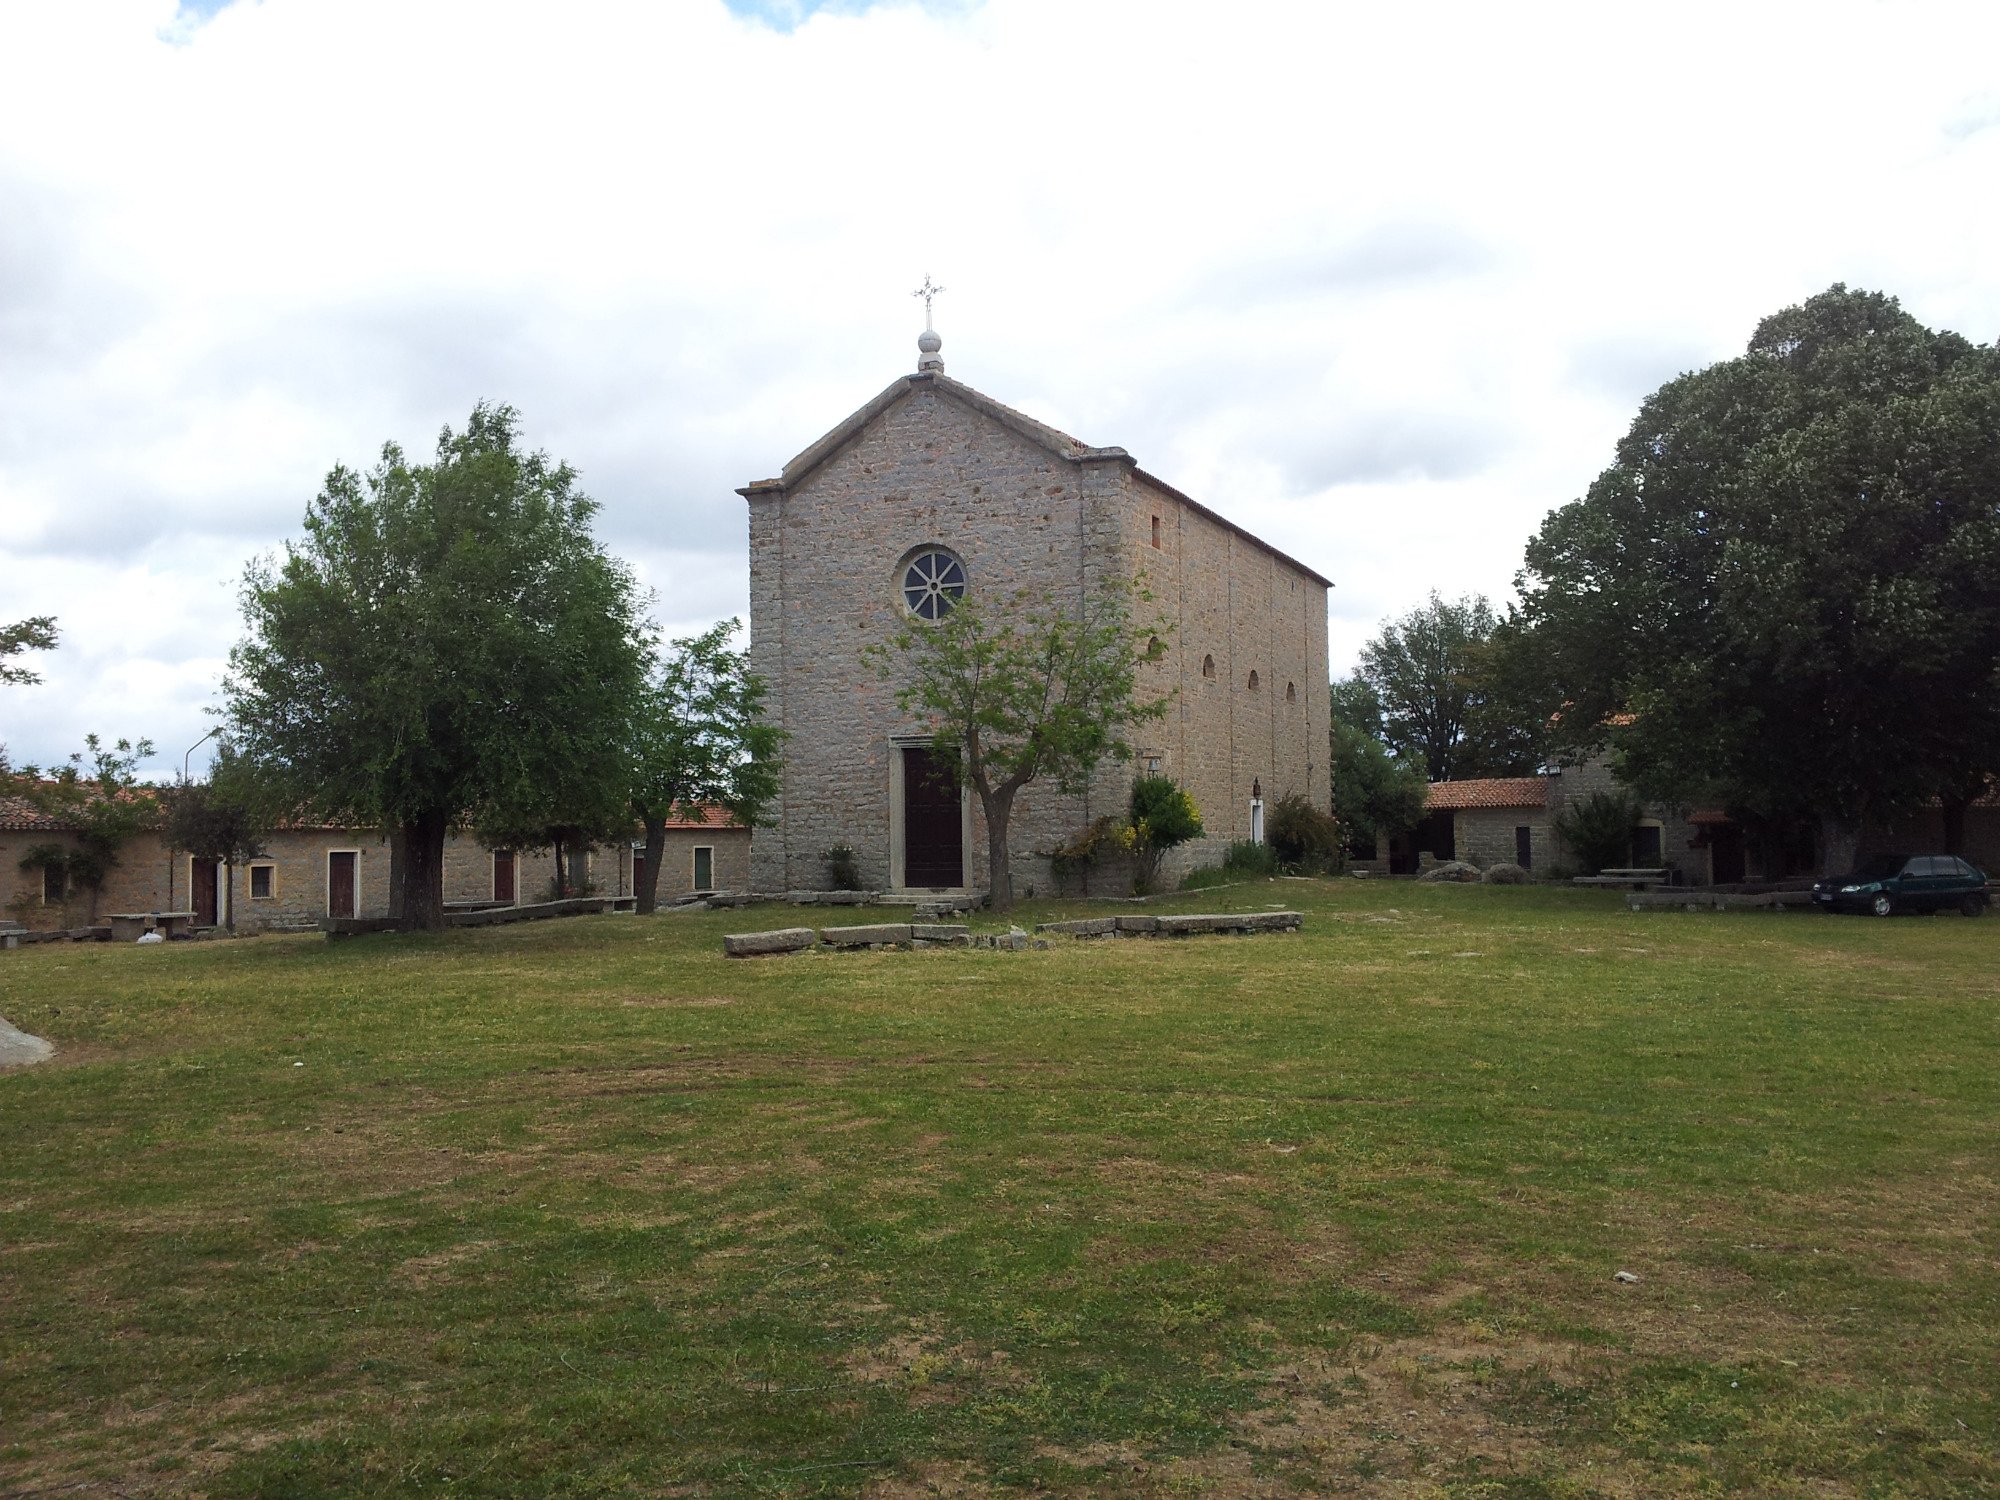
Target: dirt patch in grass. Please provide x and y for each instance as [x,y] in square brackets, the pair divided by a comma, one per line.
[1410,1412]
[925,1481]
[422,1270]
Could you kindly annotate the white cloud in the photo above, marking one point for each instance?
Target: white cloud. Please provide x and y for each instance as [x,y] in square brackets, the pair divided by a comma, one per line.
[1384,283]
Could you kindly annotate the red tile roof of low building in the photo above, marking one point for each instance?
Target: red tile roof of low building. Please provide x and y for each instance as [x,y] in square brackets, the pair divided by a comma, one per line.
[1492,791]
[19,815]
[709,815]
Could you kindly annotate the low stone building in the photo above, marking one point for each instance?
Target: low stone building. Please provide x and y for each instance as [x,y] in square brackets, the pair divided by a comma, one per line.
[1514,820]
[310,873]
[933,492]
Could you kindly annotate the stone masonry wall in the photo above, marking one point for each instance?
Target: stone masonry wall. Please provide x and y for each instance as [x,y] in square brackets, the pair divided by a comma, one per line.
[1484,836]
[825,566]
[732,860]
[1680,844]
[1249,610]
[137,883]
[826,558]
[151,878]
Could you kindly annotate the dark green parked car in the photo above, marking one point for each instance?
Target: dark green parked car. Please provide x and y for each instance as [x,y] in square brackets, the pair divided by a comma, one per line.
[1890,883]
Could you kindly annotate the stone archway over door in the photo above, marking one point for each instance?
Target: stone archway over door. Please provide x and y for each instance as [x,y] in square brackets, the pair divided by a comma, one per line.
[933,821]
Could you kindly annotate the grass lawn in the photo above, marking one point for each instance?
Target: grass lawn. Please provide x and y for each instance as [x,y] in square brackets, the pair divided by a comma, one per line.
[584,1208]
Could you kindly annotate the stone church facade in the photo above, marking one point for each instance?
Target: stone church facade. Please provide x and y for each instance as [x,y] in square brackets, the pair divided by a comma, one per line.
[933,485]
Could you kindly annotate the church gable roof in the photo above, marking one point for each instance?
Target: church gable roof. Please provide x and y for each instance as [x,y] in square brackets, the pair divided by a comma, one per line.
[1058,444]
[1051,440]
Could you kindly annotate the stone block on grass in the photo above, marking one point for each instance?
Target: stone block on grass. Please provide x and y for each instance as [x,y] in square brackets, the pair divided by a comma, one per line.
[938,932]
[1087,927]
[1184,926]
[872,936]
[1276,921]
[757,944]
[1137,926]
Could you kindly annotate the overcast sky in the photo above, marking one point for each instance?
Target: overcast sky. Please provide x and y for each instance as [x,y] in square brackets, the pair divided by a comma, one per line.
[1383,283]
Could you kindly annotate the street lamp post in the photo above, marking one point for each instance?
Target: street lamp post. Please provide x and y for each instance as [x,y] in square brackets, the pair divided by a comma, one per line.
[185,761]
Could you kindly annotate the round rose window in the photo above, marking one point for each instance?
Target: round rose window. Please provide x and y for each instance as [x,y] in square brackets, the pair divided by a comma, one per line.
[932,583]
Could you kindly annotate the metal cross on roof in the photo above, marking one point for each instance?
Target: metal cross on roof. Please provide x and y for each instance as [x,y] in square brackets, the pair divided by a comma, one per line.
[927,291]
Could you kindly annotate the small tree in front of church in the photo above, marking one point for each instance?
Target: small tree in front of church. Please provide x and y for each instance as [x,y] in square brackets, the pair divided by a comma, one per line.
[1032,688]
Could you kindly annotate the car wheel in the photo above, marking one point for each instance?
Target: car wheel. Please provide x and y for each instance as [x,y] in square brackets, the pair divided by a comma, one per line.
[1973,906]
[1883,905]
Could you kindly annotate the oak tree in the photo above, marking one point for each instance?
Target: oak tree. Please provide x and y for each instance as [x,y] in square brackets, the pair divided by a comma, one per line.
[446,645]
[1785,590]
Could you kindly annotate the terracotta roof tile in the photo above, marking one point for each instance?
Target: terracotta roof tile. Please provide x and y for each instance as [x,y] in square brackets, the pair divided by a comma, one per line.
[703,817]
[19,815]
[1495,791]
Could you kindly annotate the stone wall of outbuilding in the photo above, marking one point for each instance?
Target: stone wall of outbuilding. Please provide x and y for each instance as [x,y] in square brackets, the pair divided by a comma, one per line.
[149,877]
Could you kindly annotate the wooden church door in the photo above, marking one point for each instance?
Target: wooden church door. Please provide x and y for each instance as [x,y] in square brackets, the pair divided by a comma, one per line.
[933,822]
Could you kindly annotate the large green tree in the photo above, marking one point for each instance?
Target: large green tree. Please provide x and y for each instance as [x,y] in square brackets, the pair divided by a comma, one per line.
[1375,793]
[1033,688]
[1785,590]
[1442,679]
[699,739]
[447,644]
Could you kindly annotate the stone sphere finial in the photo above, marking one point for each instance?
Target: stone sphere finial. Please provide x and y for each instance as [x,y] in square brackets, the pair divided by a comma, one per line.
[928,343]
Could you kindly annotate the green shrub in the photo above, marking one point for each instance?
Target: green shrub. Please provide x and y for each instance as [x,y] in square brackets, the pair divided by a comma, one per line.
[1250,861]
[1306,839]
[1163,815]
[1598,829]
[843,870]
[1071,861]
[1207,876]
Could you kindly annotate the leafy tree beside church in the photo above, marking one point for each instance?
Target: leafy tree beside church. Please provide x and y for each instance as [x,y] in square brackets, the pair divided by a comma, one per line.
[699,739]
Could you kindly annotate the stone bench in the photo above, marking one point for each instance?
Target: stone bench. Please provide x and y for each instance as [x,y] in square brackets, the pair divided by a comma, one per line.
[1088,927]
[875,935]
[759,944]
[852,939]
[337,928]
[1239,923]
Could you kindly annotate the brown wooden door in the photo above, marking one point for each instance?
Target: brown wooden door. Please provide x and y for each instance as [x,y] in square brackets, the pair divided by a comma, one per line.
[933,824]
[201,891]
[1725,853]
[340,884]
[503,875]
